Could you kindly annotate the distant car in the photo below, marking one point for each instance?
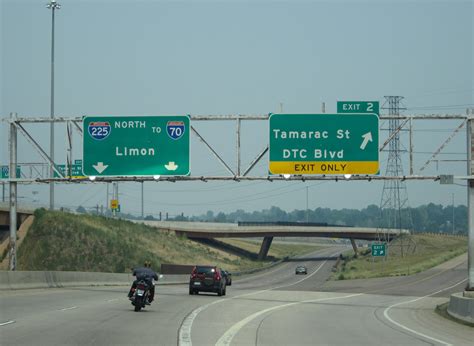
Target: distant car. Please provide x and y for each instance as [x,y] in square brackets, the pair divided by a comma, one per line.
[207,279]
[228,277]
[301,270]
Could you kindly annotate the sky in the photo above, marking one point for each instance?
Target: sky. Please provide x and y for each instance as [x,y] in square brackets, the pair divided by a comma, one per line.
[238,57]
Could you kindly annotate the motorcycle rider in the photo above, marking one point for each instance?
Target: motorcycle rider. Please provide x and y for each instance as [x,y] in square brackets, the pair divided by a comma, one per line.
[147,274]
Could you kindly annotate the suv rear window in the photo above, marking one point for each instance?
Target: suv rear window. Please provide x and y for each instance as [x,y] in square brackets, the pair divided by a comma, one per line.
[208,271]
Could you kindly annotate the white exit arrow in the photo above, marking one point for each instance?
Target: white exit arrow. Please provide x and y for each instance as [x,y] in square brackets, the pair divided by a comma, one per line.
[100,167]
[171,166]
[367,138]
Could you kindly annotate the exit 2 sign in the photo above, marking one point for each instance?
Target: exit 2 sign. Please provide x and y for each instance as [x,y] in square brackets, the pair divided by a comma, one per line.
[358,107]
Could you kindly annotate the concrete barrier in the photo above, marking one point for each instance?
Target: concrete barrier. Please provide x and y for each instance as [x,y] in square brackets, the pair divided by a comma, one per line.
[51,279]
[461,307]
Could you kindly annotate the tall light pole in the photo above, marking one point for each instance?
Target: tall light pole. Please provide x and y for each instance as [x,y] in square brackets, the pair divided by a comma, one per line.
[53,6]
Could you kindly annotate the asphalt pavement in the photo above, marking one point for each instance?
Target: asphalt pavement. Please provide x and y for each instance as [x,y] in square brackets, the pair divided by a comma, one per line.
[276,307]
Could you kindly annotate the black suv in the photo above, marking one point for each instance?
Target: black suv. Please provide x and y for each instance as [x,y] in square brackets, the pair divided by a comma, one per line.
[228,277]
[207,279]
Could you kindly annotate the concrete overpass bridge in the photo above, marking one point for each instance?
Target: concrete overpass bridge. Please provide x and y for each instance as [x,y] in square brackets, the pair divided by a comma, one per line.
[22,215]
[204,230]
[207,230]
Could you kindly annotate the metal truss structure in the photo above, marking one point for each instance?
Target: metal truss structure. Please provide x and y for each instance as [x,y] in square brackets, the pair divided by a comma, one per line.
[73,124]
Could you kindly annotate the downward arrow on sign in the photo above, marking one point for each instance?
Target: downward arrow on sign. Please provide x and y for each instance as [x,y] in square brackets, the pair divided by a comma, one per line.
[367,138]
[100,167]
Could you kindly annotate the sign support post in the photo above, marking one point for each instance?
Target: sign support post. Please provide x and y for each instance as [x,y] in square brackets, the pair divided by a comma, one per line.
[13,194]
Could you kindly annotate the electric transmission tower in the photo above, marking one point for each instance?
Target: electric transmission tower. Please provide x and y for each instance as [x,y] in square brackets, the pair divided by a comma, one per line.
[394,206]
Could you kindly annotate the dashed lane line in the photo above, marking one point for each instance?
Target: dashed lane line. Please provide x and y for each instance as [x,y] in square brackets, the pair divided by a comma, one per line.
[6,323]
[69,308]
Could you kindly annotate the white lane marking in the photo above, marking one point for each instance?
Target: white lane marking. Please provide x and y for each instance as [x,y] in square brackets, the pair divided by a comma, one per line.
[112,300]
[227,337]
[184,338]
[5,323]
[185,329]
[70,308]
[385,313]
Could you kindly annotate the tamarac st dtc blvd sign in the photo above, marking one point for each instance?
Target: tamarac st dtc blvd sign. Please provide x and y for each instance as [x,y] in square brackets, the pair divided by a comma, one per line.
[324,144]
[136,145]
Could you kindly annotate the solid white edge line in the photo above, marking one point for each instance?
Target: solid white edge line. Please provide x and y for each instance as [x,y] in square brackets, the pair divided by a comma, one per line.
[184,334]
[6,323]
[185,329]
[385,313]
[227,337]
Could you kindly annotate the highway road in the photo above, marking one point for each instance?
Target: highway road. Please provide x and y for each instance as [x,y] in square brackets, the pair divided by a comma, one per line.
[276,307]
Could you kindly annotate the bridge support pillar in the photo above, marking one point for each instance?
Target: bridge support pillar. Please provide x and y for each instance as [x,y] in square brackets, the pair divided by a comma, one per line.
[267,241]
[354,246]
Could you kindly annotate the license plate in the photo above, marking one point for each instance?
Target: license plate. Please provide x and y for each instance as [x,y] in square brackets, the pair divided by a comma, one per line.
[197,284]
[140,292]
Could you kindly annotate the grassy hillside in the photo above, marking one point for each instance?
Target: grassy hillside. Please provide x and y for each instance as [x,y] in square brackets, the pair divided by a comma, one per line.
[407,255]
[62,241]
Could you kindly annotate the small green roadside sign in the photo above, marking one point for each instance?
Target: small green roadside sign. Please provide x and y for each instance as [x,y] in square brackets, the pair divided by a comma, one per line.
[324,144]
[136,145]
[378,250]
[5,172]
[358,107]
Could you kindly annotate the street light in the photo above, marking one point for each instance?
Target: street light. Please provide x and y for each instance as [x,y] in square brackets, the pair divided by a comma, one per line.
[53,5]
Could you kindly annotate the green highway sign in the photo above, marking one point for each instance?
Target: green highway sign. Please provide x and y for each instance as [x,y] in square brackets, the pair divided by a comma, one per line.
[378,250]
[324,144]
[76,170]
[5,172]
[136,145]
[358,107]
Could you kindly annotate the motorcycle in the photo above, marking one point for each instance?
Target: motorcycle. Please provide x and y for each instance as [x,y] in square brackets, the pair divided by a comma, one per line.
[140,295]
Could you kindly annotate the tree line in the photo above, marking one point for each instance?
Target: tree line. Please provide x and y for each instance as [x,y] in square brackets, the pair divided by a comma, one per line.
[426,218]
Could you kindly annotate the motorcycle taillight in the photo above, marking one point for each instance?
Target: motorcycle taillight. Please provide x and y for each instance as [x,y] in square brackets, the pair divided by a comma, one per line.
[142,287]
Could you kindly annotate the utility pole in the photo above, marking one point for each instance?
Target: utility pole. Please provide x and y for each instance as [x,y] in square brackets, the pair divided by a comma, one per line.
[53,6]
[107,198]
[13,194]
[143,201]
[307,210]
[453,212]
[470,208]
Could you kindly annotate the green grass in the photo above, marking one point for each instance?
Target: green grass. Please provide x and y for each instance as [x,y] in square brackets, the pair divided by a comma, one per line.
[69,242]
[406,256]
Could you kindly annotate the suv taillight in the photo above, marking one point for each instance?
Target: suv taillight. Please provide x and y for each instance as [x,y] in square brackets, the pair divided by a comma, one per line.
[217,276]
[194,273]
